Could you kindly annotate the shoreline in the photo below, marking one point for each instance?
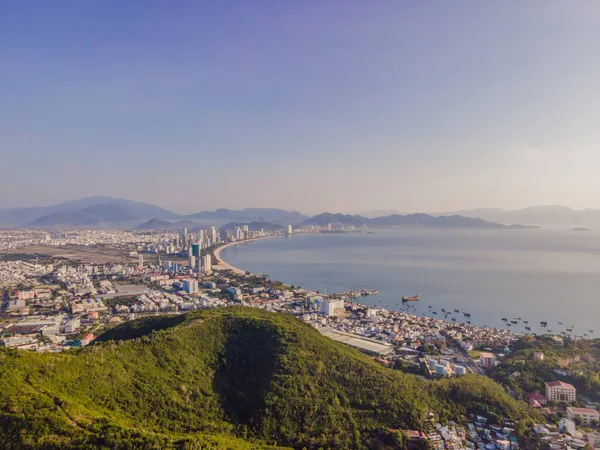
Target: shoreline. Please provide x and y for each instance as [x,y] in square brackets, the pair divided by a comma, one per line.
[224,265]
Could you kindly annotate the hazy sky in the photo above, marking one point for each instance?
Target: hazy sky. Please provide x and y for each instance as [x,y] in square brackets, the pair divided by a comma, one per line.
[314,105]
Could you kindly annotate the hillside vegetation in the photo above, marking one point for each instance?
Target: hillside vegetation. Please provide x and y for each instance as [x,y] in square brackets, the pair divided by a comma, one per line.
[234,378]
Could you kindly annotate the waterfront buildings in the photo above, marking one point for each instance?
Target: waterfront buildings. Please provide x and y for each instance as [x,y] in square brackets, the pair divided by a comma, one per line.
[289,229]
[207,264]
[332,307]
[560,392]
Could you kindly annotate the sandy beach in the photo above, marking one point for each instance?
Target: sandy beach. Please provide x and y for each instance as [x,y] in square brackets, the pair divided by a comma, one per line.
[224,265]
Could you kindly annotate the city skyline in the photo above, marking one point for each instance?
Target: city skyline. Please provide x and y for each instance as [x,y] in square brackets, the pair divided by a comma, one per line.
[334,107]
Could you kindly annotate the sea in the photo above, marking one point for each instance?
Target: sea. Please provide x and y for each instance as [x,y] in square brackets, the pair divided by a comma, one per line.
[524,276]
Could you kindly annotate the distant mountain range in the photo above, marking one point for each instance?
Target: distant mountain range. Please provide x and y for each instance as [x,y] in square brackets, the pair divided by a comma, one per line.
[98,212]
[554,215]
[105,212]
[408,220]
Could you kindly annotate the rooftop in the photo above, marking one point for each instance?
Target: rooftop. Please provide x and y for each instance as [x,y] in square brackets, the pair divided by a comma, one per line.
[559,383]
[582,410]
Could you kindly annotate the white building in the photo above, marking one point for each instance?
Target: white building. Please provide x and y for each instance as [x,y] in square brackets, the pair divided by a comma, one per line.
[487,359]
[192,261]
[207,264]
[560,392]
[190,286]
[72,325]
[332,307]
[586,415]
[289,229]
[140,260]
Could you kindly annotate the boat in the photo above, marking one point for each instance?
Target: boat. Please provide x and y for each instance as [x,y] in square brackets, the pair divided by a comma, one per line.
[543,323]
[467,314]
[504,319]
[513,322]
[591,331]
[456,311]
[414,298]
[528,328]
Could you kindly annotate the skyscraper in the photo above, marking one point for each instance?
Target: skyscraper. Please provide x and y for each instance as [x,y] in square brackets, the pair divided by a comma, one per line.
[140,260]
[183,234]
[214,236]
[289,229]
[196,250]
[238,234]
[207,264]
[201,239]
[192,261]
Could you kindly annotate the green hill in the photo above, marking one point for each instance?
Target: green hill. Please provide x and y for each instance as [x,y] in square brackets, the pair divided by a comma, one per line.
[235,378]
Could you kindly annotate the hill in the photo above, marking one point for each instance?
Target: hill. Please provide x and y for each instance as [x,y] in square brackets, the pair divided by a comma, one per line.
[552,215]
[232,378]
[155,224]
[323,219]
[89,211]
[103,213]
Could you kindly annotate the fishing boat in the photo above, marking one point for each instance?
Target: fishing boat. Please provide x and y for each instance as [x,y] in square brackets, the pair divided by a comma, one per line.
[466,314]
[414,298]
[543,323]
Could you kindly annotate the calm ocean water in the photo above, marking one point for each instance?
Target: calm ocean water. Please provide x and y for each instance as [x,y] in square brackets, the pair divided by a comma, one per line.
[535,275]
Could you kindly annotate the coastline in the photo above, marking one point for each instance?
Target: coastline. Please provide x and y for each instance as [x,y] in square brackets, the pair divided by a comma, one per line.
[224,265]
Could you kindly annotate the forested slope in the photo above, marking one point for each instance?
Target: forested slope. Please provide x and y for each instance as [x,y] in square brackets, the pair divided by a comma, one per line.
[230,378]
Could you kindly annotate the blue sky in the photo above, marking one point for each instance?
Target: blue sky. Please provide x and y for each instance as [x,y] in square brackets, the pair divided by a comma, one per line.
[339,105]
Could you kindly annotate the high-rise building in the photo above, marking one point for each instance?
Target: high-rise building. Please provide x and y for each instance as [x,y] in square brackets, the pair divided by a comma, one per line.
[238,234]
[192,261]
[183,234]
[214,236]
[245,228]
[190,286]
[207,264]
[202,239]
[196,250]
[289,229]
[140,260]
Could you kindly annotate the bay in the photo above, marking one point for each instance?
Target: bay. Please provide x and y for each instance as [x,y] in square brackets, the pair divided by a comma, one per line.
[522,275]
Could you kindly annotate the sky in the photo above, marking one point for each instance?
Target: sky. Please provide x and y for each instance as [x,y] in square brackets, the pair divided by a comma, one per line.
[340,106]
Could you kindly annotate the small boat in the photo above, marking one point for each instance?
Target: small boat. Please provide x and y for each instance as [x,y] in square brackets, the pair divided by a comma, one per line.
[528,328]
[591,331]
[456,311]
[514,322]
[504,319]
[467,314]
[560,323]
[543,323]
[525,321]
[414,298]
[454,319]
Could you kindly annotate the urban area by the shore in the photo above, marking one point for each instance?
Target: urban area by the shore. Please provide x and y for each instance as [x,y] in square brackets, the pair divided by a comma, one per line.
[61,289]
